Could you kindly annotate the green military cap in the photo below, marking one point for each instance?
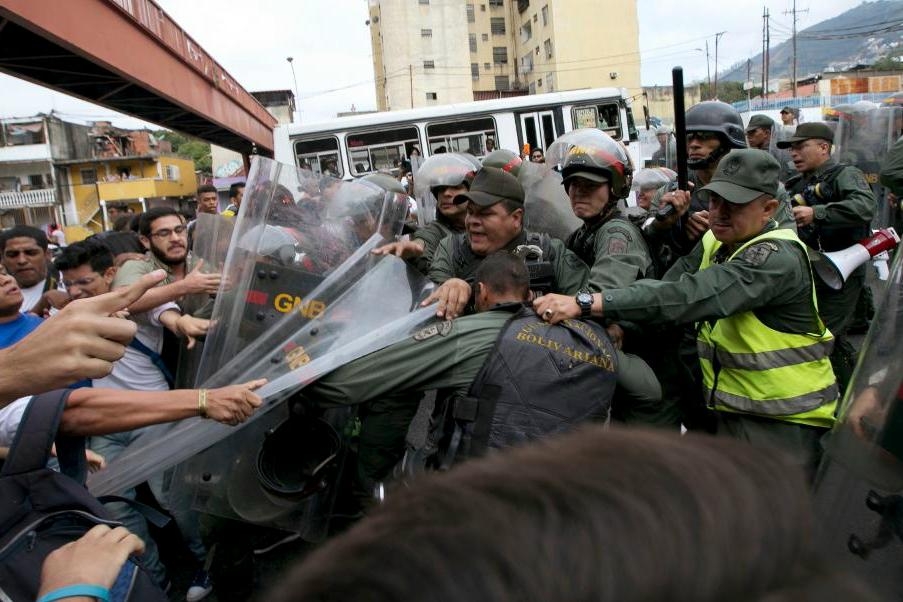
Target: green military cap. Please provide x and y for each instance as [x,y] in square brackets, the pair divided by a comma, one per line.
[492,185]
[743,175]
[759,121]
[806,131]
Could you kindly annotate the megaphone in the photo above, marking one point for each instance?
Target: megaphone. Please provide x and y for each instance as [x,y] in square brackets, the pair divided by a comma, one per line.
[835,267]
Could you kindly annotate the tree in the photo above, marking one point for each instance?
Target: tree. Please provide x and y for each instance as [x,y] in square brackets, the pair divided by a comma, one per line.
[888,63]
[190,148]
[728,91]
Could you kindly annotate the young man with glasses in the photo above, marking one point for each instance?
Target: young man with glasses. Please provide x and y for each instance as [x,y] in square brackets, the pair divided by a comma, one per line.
[833,206]
[164,234]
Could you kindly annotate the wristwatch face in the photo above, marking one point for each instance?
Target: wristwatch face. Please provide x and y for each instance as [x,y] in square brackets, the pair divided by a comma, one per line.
[585,301]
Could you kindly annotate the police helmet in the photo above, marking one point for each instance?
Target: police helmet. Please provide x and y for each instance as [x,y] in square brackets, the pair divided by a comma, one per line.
[386,182]
[296,457]
[446,169]
[505,160]
[721,118]
[593,154]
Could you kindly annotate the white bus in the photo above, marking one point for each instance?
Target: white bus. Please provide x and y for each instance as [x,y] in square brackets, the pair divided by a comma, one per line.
[353,146]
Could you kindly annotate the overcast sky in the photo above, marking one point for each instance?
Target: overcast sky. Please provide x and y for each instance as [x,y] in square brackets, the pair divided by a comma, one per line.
[330,44]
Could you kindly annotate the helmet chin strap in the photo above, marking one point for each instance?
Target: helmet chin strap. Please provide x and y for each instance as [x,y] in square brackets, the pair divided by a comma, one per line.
[712,158]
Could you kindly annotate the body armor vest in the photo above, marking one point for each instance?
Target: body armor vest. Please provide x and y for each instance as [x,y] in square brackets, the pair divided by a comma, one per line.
[539,379]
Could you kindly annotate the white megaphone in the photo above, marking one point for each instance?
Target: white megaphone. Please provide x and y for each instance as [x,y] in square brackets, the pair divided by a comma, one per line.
[834,267]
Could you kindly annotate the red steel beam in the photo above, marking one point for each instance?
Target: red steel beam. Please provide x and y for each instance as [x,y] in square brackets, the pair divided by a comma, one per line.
[138,41]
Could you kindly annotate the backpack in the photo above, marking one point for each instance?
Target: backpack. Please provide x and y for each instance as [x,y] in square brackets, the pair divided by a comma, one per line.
[41,509]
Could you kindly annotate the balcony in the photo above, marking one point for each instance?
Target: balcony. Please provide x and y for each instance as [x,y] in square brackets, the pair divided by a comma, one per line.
[24,153]
[31,198]
[147,188]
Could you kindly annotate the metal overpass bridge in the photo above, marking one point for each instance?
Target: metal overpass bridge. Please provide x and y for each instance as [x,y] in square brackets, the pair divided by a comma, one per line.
[130,56]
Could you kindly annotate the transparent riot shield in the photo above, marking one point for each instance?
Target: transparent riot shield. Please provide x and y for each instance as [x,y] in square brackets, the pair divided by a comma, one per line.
[294,230]
[859,484]
[863,136]
[658,148]
[211,236]
[446,169]
[547,207]
[372,312]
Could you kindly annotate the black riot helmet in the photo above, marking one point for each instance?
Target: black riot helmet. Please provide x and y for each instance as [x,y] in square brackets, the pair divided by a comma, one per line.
[721,118]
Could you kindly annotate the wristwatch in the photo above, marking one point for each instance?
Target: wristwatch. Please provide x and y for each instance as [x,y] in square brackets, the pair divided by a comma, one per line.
[585,301]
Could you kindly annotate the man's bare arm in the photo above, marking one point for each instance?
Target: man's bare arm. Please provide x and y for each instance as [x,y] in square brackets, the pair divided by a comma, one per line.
[101,411]
[195,282]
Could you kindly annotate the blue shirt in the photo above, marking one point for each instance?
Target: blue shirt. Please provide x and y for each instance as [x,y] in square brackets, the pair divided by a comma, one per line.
[13,332]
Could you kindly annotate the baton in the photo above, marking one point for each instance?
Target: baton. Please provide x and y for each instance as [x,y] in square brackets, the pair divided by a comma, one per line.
[680,134]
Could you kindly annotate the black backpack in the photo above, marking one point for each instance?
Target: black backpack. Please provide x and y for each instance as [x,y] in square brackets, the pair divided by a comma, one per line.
[41,509]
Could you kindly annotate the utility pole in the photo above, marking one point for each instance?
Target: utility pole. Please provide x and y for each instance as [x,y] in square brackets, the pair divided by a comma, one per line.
[297,115]
[767,49]
[411,78]
[764,47]
[794,13]
[717,36]
[708,70]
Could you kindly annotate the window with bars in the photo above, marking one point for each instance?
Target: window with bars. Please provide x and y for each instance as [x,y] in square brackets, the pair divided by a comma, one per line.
[432,96]
[497,26]
[501,82]
[426,33]
[548,47]
[526,31]
[545,15]
[496,3]
[470,16]
[500,55]
[472,39]
[429,64]
[485,37]
[475,70]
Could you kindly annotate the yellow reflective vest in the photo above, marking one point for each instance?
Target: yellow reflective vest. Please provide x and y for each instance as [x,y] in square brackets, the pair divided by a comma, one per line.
[750,368]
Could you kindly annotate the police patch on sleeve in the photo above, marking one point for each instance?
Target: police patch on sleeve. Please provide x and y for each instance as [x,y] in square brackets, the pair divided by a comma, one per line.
[437,328]
[860,181]
[758,253]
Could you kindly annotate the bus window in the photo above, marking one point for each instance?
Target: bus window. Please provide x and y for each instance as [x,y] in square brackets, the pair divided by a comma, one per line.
[463,136]
[631,126]
[602,116]
[382,150]
[319,155]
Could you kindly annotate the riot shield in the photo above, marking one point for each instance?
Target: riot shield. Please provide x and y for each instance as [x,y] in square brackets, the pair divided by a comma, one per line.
[863,136]
[295,229]
[446,169]
[658,148]
[294,352]
[861,477]
[547,207]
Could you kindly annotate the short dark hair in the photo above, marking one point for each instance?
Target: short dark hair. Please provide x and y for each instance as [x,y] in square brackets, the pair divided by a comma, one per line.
[502,273]
[91,251]
[119,206]
[24,232]
[597,514]
[154,213]
[206,188]
[233,189]
[120,242]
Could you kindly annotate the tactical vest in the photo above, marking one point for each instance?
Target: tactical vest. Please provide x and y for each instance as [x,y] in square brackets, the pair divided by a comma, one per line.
[538,380]
[750,368]
[822,236]
[582,241]
[542,274]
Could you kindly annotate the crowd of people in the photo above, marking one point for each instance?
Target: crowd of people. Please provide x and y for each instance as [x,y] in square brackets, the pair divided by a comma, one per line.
[705,318]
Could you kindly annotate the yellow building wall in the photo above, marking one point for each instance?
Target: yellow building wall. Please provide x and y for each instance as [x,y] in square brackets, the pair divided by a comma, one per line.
[149,179]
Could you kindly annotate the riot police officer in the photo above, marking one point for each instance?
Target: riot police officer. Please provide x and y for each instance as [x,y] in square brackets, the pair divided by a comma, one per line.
[833,206]
[439,180]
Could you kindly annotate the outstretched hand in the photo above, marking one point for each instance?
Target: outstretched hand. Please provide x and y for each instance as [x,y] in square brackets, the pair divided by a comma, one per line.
[450,298]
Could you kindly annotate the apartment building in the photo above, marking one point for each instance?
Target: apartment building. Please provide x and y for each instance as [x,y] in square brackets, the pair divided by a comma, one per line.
[433,52]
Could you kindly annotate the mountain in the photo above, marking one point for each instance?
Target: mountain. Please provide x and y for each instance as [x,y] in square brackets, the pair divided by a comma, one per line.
[860,36]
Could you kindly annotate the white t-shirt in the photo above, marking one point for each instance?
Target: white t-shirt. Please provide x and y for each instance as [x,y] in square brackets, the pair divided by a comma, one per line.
[10,417]
[135,370]
[32,295]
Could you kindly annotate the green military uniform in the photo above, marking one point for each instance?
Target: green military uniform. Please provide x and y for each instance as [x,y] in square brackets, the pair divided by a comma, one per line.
[431,235]
[769,282]
[446,355]
[838,223]
[570,273]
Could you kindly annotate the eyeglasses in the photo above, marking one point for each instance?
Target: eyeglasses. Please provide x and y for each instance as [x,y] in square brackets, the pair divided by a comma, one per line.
[167,232]
[12,253]
[701,136]
[81,282]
